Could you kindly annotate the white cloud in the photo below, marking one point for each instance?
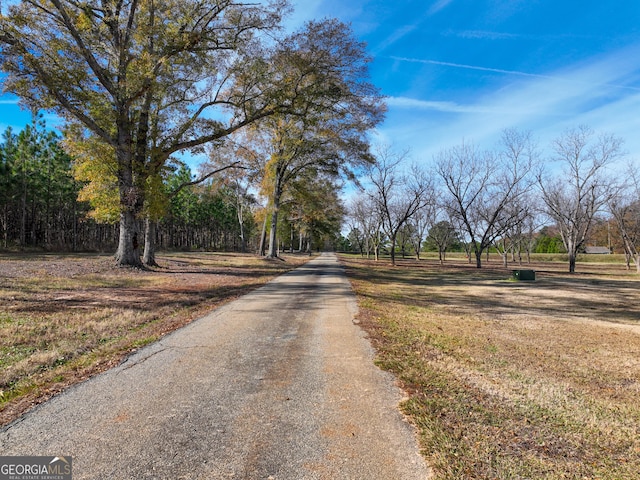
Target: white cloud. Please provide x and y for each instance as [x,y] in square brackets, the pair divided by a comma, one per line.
[603,93]
[446,107]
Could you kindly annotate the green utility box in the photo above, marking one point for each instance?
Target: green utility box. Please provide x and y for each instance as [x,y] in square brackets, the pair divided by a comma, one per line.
[529,275]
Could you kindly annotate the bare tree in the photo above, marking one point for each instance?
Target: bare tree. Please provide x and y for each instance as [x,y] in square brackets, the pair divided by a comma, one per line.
[484,185]
[364,217]
[398,195]
[357,239]
[625,209]
[420,224]
[443,234]
[573,196]
[404,240]
[523,234]
[357,223]
[516,226]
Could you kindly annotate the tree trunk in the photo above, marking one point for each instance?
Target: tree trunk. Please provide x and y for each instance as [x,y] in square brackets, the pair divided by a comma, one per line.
[393,250]
[23,206]
[478,258]
[469,249]
[5,227]
[263,238]
[572,262]
[75,226]
[128,253]
[273,238]
[240,215]
[131,191]
[149,256]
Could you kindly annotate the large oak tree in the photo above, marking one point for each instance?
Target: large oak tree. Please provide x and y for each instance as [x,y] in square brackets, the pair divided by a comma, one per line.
[150,78]
[323,77]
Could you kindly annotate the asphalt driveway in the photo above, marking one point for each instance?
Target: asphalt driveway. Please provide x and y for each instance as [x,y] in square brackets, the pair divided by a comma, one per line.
[279,384]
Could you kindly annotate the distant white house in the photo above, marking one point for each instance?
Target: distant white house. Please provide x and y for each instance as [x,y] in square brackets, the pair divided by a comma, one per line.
[597,250]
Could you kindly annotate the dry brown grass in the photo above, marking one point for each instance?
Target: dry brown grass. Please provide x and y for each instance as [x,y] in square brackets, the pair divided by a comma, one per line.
[64,318]
[536,380]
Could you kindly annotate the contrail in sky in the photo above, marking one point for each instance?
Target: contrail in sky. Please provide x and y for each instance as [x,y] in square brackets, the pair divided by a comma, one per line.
[439,5]
[507,72]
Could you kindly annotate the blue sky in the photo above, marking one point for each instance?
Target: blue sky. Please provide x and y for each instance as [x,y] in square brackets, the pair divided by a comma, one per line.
[457,70]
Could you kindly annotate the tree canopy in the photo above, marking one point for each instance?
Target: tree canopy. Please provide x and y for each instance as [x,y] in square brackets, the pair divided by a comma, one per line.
[148,77]
[323,71]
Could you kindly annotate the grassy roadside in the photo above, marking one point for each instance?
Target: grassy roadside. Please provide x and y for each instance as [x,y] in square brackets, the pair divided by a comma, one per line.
[64,318]
[511,380]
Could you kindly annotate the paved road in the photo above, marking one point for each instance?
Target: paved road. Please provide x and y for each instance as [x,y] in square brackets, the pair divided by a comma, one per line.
[276,385]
